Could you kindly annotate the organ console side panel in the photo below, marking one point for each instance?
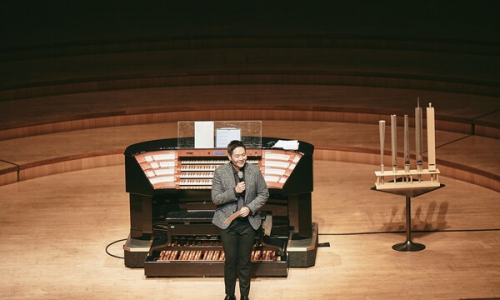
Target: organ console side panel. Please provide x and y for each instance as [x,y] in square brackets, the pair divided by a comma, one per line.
[297,183]
[299,213]
[141,223]
[136,181]
[171,207]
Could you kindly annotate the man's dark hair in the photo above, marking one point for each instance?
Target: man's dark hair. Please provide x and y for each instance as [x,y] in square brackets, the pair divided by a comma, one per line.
[233,145]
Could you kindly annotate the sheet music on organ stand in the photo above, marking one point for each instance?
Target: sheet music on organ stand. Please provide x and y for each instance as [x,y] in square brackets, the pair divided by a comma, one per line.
[203,134]
[287,145]
[210,134]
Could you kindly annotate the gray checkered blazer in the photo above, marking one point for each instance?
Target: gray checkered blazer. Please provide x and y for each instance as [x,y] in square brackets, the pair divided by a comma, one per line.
[223,195]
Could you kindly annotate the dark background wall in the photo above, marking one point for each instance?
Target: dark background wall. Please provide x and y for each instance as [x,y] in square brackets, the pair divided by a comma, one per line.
[27,23]
[56,47]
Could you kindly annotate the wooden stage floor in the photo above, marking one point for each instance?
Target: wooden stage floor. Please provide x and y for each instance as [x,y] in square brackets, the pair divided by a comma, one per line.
[63,200]
[54,231]
[69,108]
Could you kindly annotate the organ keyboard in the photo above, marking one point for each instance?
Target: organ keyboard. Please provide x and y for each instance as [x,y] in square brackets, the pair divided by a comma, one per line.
[171,210]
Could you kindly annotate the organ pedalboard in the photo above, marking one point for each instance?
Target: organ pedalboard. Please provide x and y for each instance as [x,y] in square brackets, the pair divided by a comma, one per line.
[171,211]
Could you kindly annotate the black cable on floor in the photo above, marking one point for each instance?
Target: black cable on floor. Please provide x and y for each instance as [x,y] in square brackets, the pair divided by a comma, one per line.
[352,233]
[414,231]
[112,243]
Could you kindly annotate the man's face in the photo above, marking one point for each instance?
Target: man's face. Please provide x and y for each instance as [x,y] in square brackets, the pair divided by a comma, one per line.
[238,158]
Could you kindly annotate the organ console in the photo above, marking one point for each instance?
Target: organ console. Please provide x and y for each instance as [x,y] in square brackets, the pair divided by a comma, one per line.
[171,230]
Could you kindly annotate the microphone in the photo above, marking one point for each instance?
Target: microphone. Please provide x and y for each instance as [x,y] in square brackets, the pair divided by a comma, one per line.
[241,196]
[241,178]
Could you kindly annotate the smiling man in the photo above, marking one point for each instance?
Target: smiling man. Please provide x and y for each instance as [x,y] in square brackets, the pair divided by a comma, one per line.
[240,188]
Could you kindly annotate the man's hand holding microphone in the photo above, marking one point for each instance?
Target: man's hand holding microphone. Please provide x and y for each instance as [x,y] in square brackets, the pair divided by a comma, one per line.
[240,190]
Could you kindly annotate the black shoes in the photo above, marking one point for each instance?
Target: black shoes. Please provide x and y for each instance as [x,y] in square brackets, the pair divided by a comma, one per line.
[233,297]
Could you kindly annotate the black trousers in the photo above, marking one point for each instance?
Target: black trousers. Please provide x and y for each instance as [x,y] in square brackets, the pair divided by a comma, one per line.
[237,241]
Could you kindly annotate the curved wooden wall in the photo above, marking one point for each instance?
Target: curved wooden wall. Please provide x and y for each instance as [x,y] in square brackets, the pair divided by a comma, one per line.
[313,73]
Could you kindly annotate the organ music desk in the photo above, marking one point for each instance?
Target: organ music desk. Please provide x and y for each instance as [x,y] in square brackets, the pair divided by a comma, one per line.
[171,230]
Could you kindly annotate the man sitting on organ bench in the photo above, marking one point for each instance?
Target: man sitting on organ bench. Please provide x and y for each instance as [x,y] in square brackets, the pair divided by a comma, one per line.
[238,188]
